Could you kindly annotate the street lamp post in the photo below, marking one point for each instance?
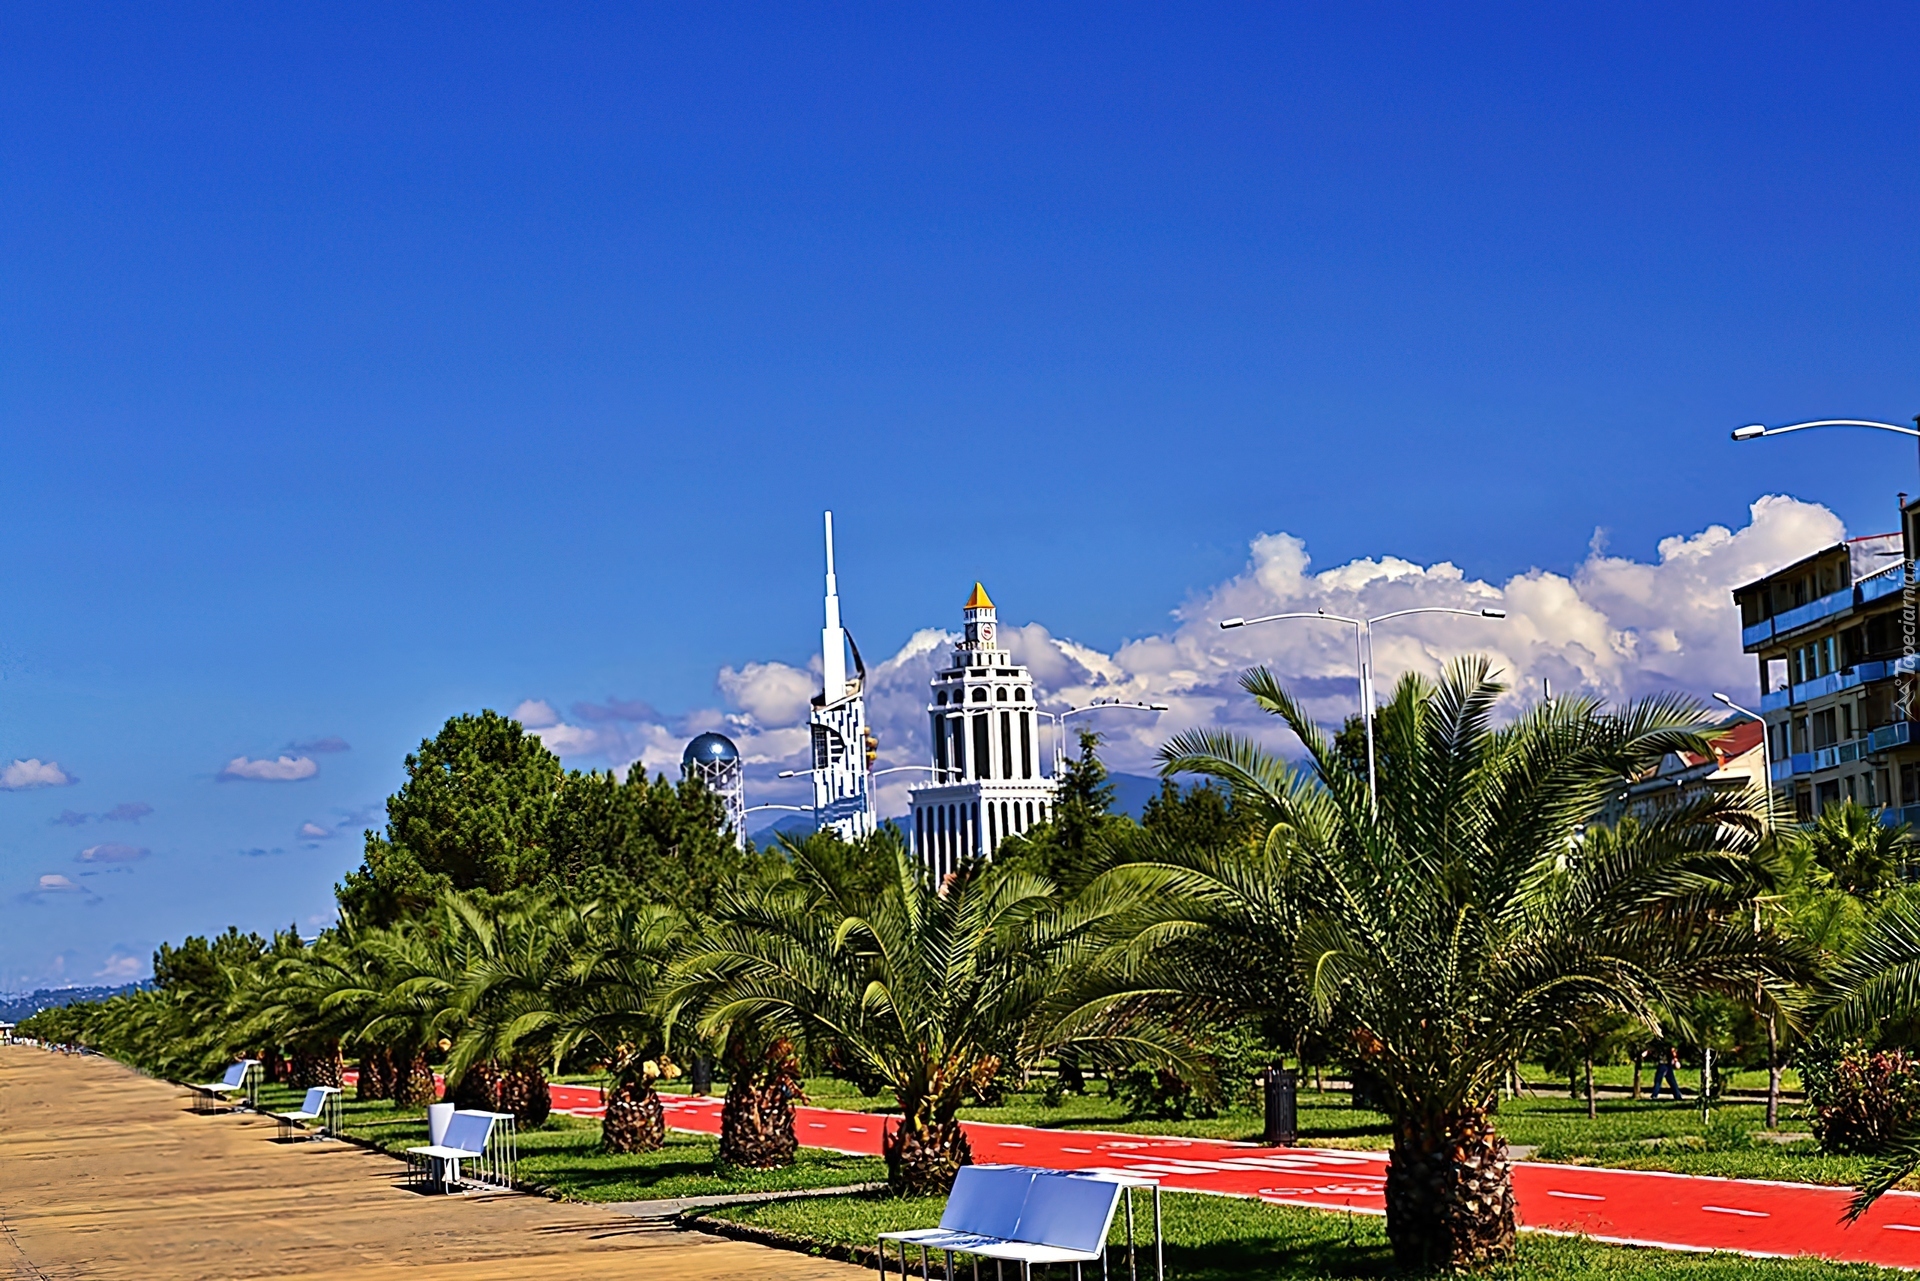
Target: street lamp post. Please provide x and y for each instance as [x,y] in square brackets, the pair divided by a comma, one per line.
[1363,658]
[1766,750]
[1059,720]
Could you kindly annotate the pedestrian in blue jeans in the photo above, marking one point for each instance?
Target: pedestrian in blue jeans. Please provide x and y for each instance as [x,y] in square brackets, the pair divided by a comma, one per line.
[1666,1070]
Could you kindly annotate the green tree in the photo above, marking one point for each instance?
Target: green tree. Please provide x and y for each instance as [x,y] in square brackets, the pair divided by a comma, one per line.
[1069,847]
[477,812]
[1442,933]
[667,842]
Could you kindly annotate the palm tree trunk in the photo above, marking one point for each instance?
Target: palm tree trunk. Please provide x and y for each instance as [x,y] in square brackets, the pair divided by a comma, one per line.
[634,1120]
[756,1121]
[523,1091]
[1449,1193]
[1639,1057]
[924,1151]
[1773,1074]
[1592,1111]
[376,1074]
[413,1079]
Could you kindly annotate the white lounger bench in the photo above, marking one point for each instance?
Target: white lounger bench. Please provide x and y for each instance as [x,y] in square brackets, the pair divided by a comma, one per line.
[239,1076]
[322,1104]
[1015,1214]
[465,1140]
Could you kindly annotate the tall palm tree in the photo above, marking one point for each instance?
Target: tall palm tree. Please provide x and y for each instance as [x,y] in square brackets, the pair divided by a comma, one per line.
[1438,934]
[933,991]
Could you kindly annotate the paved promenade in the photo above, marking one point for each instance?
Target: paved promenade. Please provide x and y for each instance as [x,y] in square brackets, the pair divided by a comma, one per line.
[105,1174]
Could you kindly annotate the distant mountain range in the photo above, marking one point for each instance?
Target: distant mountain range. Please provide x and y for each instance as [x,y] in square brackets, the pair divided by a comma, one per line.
[14,1007]
[1131,792]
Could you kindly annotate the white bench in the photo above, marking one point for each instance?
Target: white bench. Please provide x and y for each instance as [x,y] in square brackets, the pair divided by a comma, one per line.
[1015,1214]
[465,1140]
[322,1104]
[239,1076]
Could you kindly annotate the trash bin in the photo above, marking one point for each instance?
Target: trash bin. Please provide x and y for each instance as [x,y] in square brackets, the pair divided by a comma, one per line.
[1283,1121]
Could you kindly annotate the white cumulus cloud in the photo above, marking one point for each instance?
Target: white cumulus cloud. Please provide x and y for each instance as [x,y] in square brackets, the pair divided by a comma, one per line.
[284,769]
[1615,627]
[54,883]
[33,772]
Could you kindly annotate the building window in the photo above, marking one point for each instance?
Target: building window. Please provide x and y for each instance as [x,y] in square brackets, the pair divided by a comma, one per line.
[993,822]
[1000,695]
[1020,695]
[941,698]
[959,729]
[1029,813]
[973,843]
[1026,746]
[919,834]
[982,747]
[1006,745]
[980,694]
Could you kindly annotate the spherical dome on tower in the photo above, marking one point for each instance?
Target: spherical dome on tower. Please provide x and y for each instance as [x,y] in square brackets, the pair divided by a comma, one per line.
[710,749]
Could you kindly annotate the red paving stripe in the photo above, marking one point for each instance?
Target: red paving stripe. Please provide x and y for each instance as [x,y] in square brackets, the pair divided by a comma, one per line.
[1633,1207]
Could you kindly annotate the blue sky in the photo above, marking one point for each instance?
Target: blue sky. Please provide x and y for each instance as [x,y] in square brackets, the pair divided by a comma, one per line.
[361,368]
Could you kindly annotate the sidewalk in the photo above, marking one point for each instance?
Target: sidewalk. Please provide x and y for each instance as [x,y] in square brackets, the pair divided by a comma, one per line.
[105,1174]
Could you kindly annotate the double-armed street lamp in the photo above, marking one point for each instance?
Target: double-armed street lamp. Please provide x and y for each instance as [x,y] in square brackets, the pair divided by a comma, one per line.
[1363,657]
[1059,720]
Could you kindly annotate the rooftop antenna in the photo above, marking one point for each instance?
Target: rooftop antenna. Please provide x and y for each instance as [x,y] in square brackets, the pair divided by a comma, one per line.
[833,649]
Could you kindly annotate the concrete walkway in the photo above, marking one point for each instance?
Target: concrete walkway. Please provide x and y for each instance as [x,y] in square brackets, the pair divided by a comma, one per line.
[106,1174]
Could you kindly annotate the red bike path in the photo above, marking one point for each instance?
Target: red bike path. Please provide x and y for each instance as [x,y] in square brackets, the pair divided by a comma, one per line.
[1630,1207]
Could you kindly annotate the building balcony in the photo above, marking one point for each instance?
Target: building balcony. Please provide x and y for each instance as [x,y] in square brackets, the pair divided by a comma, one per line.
[1898,734]
[1885,583]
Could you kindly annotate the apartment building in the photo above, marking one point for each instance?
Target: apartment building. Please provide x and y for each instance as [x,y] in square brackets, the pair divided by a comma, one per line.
[1833,642]
[1734,764]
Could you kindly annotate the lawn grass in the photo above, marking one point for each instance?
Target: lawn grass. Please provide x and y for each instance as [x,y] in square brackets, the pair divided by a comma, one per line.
[1221,1238]
[563,1157]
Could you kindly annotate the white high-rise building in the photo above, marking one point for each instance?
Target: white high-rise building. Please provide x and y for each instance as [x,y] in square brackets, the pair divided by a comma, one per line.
[986,751]
[843,748]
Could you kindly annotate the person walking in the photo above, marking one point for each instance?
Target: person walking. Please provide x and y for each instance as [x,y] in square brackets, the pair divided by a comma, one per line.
[1667,1070]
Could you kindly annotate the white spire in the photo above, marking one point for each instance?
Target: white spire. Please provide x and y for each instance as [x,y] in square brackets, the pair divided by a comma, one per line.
[833,648]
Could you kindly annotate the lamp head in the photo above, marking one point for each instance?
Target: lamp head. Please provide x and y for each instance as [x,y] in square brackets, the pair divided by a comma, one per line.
[1156,707]
[1752,431]
[1227,623]
[1722,698]
[788,773]
[1493,613]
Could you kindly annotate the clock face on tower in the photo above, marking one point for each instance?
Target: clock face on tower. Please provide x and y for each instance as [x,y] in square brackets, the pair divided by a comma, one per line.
[986,635]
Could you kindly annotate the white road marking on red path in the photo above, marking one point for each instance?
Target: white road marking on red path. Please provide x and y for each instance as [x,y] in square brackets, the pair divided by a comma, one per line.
[857,1129]
[1727,1209]
[1574,1196]
[1080,1151]
[1901,1227]
[1013,1145]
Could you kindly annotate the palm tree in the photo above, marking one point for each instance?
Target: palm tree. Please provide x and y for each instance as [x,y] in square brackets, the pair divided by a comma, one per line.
[934,992]
[550,978]
[1864,856]
[1440,933]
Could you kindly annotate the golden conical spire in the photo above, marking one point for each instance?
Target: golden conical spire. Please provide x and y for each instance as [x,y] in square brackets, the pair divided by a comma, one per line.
[979,599]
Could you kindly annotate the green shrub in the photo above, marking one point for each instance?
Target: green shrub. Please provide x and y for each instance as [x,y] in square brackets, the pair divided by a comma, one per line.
[1858,1099]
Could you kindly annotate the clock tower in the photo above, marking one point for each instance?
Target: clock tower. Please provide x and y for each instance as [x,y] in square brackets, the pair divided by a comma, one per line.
[988,782]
